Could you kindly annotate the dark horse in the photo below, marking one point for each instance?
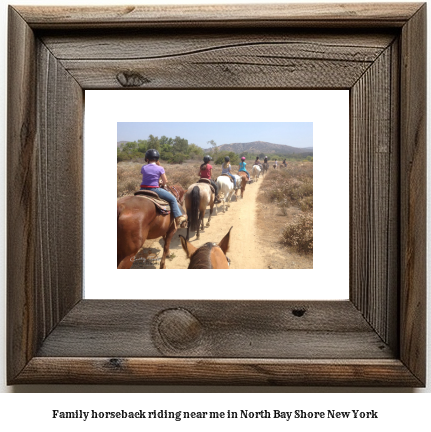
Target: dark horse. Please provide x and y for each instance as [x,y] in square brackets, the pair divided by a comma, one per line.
[196,199]
[265,168]
[208,256]
[139,220]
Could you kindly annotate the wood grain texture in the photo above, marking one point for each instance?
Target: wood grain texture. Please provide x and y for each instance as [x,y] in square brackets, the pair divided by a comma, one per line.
[300,14]
[227,329]
[329,372]
[152,44]
[45,106]
[374,194]
[204,59]
[21,196]
[376,338]
[413,194]
[59,184]
[291,62]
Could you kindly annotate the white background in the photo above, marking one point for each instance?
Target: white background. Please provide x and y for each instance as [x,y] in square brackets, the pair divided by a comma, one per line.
[399,411]
[329,113]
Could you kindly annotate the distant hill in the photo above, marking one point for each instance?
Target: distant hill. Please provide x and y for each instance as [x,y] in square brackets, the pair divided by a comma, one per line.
[264,147]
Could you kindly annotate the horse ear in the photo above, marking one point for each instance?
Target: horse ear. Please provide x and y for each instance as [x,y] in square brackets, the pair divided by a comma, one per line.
[189,249]
[224,244]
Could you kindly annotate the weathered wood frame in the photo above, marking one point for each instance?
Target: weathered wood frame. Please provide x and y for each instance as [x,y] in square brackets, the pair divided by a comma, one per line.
[377,338]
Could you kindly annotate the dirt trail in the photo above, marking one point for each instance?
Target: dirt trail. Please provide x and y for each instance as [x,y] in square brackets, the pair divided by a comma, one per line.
[245,251]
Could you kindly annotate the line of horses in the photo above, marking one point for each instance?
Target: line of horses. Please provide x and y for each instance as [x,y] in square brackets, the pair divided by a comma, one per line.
[138,220]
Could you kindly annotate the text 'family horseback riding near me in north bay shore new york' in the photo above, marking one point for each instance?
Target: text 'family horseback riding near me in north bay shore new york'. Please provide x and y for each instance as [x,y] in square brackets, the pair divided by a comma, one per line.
[354,414]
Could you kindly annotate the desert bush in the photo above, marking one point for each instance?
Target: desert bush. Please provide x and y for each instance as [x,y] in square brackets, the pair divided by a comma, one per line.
[306,204]
[298,233]
[290,187]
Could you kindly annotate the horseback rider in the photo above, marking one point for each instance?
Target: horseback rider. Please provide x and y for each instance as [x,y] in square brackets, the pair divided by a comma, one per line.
[205,171]
[266,159]
[226,169]
[258,162]
[152,173]
[242,166]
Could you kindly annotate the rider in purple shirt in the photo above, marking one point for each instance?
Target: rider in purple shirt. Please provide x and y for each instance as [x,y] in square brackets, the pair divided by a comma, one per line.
[151,175]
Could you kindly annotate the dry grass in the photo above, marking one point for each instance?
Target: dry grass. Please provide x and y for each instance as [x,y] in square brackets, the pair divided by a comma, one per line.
[128,178]
[292,188]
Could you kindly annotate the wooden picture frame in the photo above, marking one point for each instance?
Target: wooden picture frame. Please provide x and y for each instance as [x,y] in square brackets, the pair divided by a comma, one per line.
[376,338]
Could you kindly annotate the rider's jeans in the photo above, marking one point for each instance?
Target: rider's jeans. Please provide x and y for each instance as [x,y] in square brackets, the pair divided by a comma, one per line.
[164,194]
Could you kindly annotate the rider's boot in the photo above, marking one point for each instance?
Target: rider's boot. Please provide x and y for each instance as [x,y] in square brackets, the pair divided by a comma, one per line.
[181,221]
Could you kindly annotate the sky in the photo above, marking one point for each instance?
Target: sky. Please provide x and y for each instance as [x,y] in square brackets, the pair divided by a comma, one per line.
[295,134]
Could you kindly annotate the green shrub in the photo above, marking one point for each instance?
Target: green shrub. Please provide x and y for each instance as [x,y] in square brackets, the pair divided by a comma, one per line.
[178,158]
[166,155]
[234,158]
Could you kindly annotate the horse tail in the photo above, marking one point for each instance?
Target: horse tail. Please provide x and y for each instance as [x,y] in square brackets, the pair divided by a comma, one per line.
[194,215]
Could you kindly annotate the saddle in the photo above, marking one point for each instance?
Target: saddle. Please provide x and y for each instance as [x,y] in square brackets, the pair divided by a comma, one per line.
[161,205]
[208,182]
[227,175]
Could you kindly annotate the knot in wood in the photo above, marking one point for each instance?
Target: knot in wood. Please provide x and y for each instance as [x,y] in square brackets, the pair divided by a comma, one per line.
[298,312]
[178,329]
[131,79]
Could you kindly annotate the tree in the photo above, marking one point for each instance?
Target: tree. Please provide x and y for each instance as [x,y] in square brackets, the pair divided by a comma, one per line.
[180,145]
[195,150]
[153,143]
[129,147]
[166,143]
[142,146]
[214,147]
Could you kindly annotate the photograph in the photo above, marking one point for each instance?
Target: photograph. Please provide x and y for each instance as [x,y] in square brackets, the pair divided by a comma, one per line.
[180,194]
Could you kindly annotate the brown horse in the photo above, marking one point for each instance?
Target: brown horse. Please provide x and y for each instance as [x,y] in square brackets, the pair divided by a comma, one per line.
[265,168]
[244,180]
[208,256]
[139,220]
[196,200]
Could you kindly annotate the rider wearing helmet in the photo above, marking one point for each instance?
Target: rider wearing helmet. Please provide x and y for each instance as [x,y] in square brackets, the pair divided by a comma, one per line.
[266,159]
[205,171]
[151,175]
[258,162]
[226,169]
[242,166]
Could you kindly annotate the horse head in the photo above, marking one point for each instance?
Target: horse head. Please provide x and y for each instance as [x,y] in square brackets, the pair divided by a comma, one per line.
[208,256]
